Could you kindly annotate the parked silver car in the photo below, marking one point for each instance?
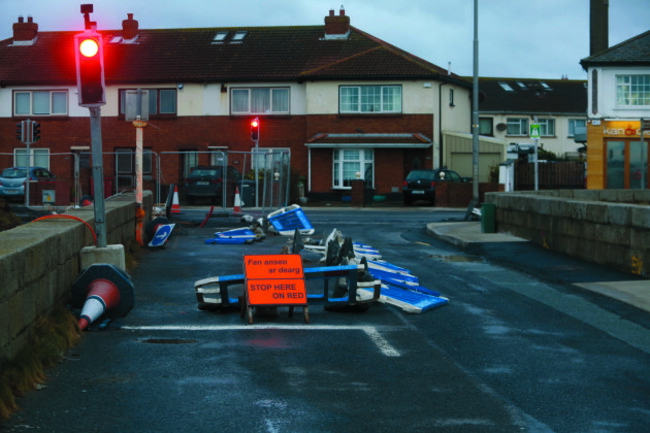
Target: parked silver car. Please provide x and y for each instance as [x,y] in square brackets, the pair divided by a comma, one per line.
[13,180]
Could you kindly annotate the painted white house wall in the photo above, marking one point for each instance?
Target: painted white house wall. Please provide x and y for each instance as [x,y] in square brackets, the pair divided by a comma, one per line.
[606,94]
[561,143]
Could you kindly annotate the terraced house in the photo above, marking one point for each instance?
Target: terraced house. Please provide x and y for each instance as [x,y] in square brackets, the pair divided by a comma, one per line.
[341,102]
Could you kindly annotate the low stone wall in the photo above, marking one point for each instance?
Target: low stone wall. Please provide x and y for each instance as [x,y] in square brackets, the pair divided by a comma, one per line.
[39,262]
[611,227]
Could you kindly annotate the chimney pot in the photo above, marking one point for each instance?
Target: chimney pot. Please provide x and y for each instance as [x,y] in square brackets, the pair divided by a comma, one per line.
[337,27]
[129,27]
[25,31]
[331,13]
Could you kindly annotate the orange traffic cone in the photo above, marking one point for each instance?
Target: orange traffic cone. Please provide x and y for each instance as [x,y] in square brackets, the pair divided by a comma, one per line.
[176,206]
[102,295]
[101,289]
[237,208]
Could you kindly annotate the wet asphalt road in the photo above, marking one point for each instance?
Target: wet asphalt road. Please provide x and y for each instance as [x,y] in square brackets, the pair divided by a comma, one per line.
[517,349]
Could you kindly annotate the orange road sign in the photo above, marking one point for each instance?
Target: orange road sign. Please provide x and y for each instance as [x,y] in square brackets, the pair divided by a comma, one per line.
[275,280]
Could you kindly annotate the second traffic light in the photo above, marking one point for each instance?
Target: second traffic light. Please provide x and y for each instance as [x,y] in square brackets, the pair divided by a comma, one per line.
[89,58]
[20,131]
[255,129]
[36,131]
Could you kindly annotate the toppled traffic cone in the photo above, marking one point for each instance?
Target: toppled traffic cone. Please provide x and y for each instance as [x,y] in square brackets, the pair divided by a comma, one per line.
[102,289]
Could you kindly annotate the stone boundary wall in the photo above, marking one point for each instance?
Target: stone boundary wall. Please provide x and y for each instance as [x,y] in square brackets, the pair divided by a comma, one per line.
[610,227]
[39,262]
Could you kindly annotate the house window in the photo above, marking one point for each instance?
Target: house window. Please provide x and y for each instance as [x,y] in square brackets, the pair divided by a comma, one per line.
[547,127]
[239,36]
[259,100]
[633,90]
[161,101]
[189,159]
[41,103]
[485,126]
[517,126]
[576,123]
[348,162]
[37,158]
[451,98]
[370,99]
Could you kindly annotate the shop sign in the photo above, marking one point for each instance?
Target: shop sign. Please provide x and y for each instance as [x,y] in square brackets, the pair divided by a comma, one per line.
[622,128]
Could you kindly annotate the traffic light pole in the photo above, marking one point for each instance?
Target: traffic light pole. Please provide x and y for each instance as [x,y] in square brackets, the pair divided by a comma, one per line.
[98,175]
[26,136]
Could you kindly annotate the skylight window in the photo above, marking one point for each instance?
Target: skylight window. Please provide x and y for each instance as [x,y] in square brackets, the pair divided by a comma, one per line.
[522,85]
[505,86]
[239,36]
[116,40]
[220,37]
[545,86]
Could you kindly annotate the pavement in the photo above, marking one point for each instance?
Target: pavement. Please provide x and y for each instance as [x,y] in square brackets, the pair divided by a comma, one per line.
[467,235]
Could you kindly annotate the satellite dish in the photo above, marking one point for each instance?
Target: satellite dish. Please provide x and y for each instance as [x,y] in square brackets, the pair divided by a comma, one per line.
[502,127]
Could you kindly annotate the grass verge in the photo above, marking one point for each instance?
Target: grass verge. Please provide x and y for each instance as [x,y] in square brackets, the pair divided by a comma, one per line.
[51,337]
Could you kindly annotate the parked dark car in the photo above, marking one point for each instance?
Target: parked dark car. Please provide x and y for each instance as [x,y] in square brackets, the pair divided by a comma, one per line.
[13,180]
[421,184]
[206,181]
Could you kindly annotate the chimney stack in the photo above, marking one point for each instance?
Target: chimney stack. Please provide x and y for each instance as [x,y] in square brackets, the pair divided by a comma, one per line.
[129,27]
[337,27]
[598,26]
[25,31]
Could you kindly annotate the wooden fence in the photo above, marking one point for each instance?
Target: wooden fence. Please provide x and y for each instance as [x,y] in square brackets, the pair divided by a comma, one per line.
[551,175]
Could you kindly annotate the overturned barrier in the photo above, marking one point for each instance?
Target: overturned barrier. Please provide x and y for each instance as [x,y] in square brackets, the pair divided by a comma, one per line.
[214,293]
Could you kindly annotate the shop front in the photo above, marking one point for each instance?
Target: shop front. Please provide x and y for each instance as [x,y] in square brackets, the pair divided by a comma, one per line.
[617,156]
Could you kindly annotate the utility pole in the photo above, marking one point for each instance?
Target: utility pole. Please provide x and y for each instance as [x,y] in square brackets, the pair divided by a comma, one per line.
[475,143]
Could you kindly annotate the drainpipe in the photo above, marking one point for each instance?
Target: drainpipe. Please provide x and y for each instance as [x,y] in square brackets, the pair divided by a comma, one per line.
[440,152]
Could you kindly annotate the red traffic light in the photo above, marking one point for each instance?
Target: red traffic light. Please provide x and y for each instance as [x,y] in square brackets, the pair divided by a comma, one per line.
[89,60]
[255,129]
[89,47]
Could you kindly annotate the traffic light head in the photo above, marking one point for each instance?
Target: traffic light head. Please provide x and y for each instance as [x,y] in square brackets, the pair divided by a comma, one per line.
[255,129]
[89,58]
[36,131]
[20,132]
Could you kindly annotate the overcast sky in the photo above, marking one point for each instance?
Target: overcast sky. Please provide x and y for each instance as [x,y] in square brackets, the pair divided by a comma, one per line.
[517,38]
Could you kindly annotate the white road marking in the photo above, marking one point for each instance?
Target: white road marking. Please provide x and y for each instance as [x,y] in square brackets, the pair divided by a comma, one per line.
[381,342]
[371,331]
